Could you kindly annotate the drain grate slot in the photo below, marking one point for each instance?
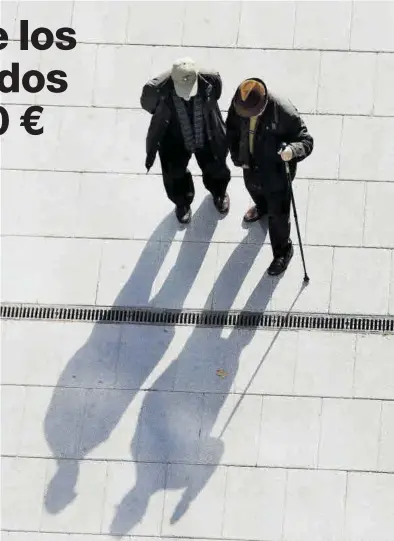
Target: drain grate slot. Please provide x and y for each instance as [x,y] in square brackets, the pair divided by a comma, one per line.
[231,318]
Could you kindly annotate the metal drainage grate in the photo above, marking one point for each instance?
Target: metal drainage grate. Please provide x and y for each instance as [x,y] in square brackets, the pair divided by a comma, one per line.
[232,318]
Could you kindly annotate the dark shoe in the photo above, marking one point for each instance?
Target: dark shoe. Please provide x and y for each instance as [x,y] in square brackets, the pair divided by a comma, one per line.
[253,215]
[222,203]
[280,264]
[183,214]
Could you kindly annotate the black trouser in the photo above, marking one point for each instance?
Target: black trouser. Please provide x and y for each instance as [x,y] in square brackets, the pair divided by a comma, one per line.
[178,181]
[277,206]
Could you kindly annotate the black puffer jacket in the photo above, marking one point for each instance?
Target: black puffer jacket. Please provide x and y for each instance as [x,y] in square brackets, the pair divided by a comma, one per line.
[156,98]
[280,123]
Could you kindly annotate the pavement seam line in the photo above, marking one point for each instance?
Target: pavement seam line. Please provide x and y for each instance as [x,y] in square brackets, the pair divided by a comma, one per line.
[226,465]
[210,393]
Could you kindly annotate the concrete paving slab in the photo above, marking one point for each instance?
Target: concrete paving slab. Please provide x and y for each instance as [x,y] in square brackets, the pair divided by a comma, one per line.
[267,25]
[383,105]
[374,371]
[349,434]
[324,161]
[12,405]
[79,512]
[366,153]
[156,23]
[101,22]
[9,11]
[241,280]
[336,212]
[348,282]
[110,205]
[323,25]
[214,26]
[227,420]
[187,284]
[110,62]
[315,505]
[146,355]
[23,480]
[84,150]
[59,270]
[267,364]
[365,20]
[167,428]
[386,448]
[369,505]
[259,512]
[204,352]
[45,14]
[325,364]
[379,199]
[46,349]
[140,506]
[290,432]
[347,82]
[110,419]
[48,207]
[193,492]
[293,295]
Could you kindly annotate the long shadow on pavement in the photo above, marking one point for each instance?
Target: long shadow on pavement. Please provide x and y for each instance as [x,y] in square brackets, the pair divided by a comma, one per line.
[169,427]
[99,355]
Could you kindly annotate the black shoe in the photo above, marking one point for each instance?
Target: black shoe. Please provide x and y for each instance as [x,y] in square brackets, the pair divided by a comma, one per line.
[183,214]
[280,264]
[222,203]
[253,215]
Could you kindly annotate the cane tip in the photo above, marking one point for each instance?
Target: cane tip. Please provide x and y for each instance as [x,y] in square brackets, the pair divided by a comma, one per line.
[306,279]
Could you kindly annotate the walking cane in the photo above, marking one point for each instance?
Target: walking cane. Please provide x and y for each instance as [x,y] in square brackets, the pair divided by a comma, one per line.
[306,277]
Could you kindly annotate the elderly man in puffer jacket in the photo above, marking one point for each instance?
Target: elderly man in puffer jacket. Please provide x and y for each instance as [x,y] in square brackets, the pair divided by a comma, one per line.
[186,120]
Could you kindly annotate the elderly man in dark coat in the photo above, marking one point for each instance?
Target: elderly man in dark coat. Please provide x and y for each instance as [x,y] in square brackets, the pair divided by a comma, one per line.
[264,132]
[186,120]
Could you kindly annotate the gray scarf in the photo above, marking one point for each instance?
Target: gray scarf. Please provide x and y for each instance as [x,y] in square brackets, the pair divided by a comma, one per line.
[193,135]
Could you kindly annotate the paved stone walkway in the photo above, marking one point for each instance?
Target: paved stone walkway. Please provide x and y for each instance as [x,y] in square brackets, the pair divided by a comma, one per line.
[111,431]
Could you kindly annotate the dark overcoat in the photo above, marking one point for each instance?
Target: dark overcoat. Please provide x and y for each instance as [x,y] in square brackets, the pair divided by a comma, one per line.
[280,123]
[156,98]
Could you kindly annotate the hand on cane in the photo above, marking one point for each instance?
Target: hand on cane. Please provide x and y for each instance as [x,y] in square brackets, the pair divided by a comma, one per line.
[286,153]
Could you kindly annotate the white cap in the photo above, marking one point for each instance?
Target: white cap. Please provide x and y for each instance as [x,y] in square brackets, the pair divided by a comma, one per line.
[184,75]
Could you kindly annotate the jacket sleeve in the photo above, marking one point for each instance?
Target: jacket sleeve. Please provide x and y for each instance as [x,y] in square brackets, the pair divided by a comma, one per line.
[233,134]
[214,79]
[296,132]
[217,85]
[151,92]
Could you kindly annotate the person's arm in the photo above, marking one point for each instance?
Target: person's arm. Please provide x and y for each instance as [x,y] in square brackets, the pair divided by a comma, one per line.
[151,92]
[233,135]
[214,79]
[296,133]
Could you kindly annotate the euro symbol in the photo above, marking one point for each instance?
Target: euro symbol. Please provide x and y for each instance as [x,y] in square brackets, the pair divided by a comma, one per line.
[29,120]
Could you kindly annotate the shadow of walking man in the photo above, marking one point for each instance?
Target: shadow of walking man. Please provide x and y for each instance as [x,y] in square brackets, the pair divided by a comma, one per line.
[175,428]
[82,414]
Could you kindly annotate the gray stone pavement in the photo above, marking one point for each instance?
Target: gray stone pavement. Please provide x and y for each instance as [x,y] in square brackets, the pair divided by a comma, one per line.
[127,432]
